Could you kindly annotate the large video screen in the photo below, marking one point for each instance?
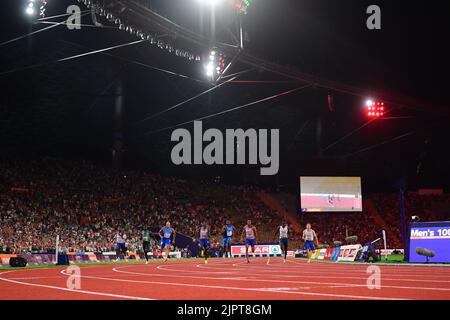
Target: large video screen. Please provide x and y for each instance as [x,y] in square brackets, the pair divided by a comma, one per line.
[330,194]
[433,236]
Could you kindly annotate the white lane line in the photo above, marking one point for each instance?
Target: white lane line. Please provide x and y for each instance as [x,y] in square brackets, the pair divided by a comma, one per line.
[74,291]
[245,278]
[165,268]
[361,278]
[285,289]
[305,274]
[263,270]
[397,268]
[342,271]
[289,270]
[341,267]
[386,264]
[36,278]
[347,296]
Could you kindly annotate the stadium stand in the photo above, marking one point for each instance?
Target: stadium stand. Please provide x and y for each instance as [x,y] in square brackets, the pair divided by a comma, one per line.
[424,206]
[85,205]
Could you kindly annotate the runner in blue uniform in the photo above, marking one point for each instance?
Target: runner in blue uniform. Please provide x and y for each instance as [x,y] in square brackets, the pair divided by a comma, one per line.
[167,235]
[310,238]
[227,232]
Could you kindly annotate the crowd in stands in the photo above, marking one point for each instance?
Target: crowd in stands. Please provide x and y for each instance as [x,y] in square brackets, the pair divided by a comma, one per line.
[337,226]
[426,207]
[85,205]
[331,227]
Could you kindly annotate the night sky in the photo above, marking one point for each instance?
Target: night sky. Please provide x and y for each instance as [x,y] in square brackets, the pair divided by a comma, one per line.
[66,109]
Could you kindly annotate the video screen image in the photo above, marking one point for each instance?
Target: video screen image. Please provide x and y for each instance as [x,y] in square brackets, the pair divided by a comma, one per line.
[330,194]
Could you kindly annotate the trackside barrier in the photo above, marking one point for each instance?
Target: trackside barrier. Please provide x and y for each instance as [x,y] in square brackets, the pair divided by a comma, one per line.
[261,250]
[342,253]
[346,253]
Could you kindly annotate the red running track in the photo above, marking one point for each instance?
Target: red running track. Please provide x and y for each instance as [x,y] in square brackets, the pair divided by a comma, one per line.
[223,279]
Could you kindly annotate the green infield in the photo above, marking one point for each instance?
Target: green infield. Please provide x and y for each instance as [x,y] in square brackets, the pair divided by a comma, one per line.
[393,258]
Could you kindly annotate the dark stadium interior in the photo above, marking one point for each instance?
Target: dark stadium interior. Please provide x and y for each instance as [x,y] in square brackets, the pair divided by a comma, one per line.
[65,108]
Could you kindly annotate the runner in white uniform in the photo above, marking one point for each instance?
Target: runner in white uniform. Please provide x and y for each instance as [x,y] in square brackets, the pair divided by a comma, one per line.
[121,249]
[283,232]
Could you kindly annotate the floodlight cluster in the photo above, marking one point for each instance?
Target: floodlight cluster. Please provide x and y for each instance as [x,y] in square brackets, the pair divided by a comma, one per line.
[215,65]
[35,6]
[375,108]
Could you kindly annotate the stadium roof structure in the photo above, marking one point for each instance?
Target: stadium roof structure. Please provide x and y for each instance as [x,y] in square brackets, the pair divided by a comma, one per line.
[294,72]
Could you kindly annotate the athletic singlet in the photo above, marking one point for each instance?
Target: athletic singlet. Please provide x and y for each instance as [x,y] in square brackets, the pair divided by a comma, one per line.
[249,233]
[229,231]
[283,232]
[146,235]
[309,235]
[203,233]
[120,238]
[167,232]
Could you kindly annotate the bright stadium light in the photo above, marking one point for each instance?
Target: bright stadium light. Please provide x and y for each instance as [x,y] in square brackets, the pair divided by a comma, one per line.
[375,108]
[211,64]
[369,102]
[210,2]
[215,65]
[210,69]
[29,11]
